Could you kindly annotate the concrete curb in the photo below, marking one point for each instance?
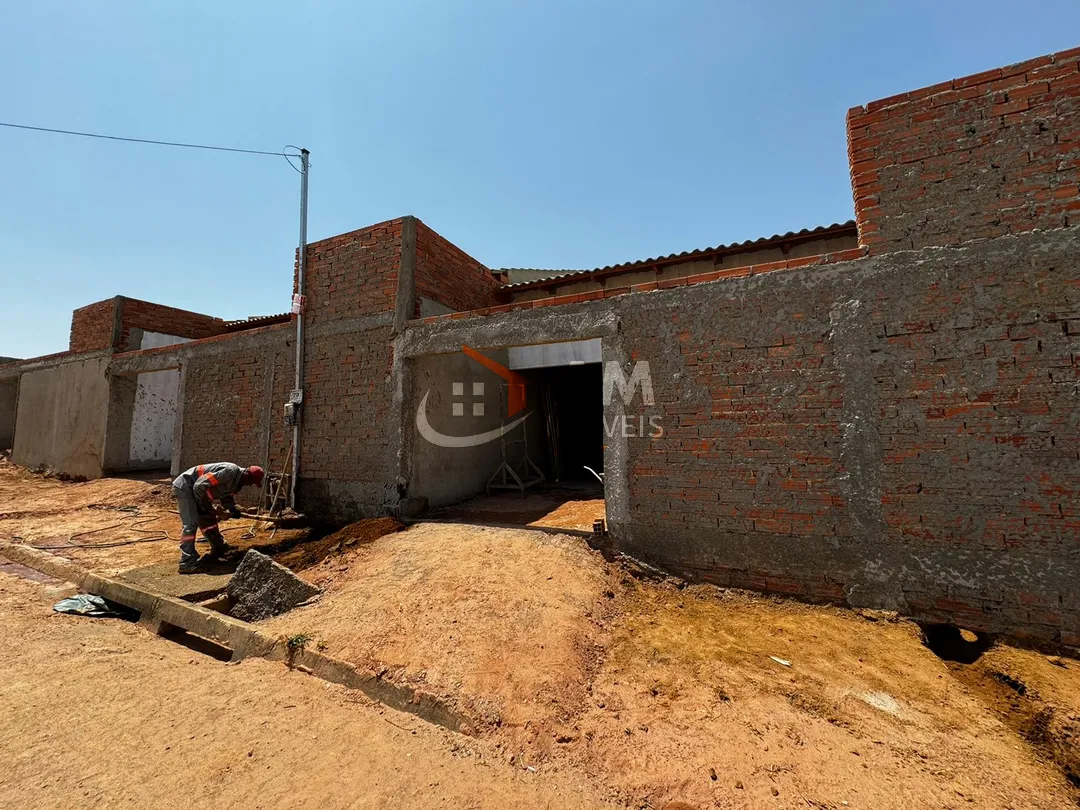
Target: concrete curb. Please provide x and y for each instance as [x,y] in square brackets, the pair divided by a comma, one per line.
[163,615]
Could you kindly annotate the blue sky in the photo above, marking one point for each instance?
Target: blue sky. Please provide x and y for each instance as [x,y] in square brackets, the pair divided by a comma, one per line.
[546,134]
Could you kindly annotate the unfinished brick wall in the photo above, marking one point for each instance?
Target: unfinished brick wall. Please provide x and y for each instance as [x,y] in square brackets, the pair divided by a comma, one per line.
[151,317]
[348,449]
[896,431]
[232,385]
[354,274]
[447,274]
[971,158]
[92,326]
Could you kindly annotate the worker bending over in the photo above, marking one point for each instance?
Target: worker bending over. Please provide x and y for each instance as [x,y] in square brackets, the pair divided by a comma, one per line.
[195,492]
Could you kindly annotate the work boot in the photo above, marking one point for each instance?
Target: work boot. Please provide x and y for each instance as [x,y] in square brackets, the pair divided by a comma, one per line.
[218,547]
[190,561]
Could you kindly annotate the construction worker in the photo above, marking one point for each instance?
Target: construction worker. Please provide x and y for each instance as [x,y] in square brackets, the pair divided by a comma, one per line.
[195,492]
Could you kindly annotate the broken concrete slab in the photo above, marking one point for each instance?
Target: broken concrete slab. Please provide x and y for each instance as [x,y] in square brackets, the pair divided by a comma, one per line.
[262,588]
[164,578]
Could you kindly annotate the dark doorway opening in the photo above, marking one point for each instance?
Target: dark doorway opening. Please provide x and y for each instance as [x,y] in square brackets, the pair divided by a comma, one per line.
[572,418]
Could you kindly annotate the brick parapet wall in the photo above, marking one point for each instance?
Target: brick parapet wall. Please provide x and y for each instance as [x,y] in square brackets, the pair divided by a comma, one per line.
[92,326]
[354,274]
[989,154]
[447,274]
[165,320]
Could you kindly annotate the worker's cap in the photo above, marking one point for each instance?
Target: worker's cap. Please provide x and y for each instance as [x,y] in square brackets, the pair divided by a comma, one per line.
[255,475]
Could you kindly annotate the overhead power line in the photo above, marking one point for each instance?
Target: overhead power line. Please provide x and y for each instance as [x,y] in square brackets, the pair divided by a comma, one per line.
[145,140]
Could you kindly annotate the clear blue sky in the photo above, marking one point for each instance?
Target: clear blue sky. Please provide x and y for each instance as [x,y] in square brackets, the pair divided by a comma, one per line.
[564,134]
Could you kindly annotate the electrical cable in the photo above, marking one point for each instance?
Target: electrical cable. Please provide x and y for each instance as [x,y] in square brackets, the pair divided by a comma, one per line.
[162,535]
[148,141]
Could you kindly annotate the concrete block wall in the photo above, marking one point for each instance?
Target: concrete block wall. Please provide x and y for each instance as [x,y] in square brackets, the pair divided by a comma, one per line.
[989,154]
[449,276]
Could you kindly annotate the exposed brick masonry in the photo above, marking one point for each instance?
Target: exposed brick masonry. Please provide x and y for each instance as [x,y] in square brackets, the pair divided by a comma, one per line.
[447,274]
[92,327]
[165,320]
[989,154]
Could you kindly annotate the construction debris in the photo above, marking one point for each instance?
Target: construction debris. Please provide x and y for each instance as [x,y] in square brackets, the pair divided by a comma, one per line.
[261,588]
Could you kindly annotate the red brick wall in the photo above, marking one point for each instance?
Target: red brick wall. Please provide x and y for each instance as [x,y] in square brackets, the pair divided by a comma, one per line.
[166,320]
[354,274]
[92,326]
[989,154]
[348,447]
[447,274]
[232,386]
[896,431]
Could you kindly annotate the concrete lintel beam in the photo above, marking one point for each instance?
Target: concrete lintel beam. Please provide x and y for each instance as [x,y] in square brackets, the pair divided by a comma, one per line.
[528,327]
[16,370]
[124,365]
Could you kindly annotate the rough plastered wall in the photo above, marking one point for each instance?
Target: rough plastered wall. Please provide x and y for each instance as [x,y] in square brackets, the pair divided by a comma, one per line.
[448,276]
[458,397]
[898,431]
[981,156]
[233,388]
[153,417]
[9,398]
[60,421]
[350,445]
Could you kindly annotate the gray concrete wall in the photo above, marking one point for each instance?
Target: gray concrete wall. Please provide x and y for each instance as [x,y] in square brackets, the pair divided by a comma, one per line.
[444,475]
[61,417]
[9,398]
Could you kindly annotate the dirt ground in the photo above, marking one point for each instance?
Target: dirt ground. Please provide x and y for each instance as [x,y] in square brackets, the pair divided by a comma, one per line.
[555,507]
[99,713]
[667,694]
[67,518]
[577,672]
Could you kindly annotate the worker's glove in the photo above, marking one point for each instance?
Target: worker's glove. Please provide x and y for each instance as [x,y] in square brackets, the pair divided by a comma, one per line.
[235,513]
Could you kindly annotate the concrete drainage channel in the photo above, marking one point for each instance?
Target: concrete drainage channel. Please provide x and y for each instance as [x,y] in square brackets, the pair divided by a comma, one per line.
[168,616]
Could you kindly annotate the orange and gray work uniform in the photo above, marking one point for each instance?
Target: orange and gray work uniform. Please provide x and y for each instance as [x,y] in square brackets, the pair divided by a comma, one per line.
[195,491]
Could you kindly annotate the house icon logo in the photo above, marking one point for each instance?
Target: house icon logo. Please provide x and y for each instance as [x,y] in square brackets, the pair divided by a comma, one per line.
[515,404]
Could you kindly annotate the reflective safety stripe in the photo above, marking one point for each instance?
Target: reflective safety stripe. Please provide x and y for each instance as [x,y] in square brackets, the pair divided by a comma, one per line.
[206,529]
[185,537]
[200,472]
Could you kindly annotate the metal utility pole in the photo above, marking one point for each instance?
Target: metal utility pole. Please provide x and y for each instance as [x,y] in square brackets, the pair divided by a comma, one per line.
[296,398]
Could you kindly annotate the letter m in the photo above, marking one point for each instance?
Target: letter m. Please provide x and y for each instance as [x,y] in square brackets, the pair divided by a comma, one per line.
[639,377]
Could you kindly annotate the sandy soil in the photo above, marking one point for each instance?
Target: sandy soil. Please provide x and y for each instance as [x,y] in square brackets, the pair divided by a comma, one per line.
[666,694]
[98,713]
[491,619]
[570,665]
[562,508]
[48,512]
